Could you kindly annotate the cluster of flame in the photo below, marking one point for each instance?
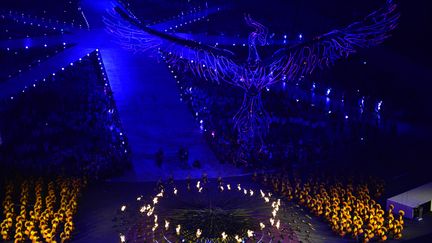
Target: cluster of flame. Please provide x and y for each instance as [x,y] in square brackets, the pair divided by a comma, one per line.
[149,211]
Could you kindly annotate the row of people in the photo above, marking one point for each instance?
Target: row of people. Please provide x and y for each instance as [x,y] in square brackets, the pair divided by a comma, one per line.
[46,210]
[349,208]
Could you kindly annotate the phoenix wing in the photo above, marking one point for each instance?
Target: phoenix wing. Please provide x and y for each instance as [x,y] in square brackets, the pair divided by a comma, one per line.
[325,49]
[210,63]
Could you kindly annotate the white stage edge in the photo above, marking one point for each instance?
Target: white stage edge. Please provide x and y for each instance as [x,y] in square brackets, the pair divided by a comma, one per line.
[412,199]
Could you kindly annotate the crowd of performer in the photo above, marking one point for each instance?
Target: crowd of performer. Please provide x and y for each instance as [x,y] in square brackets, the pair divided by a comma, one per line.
[40,210]
[350,208]
[313,129]
[67,124]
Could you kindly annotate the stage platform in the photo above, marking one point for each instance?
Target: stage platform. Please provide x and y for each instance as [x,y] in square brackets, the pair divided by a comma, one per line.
[411,201]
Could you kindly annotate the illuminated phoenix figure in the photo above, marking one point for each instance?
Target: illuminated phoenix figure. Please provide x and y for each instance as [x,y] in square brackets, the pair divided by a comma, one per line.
[254,74]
